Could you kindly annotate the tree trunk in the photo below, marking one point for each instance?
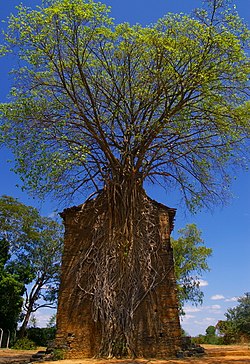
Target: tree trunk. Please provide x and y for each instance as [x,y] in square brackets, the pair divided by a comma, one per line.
[29,305]
[23,329]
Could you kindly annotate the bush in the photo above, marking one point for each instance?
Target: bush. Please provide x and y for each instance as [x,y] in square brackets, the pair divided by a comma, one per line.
[208,339]
[58,354]
[41,336]
[24,344]
[201,339]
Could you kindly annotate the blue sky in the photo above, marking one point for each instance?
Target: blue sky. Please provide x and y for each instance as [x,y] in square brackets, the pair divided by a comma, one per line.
[226,230]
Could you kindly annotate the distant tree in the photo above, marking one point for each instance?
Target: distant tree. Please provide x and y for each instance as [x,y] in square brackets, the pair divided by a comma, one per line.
[190,257]
[33,321]
[11,291]
[211,330]
[237,323]
[33,248]
[227,331]
[239,316]
[52,321]
[209,338]
[106,108]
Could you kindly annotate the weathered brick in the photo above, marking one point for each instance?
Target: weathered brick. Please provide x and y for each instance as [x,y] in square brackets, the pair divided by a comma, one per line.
[157,327]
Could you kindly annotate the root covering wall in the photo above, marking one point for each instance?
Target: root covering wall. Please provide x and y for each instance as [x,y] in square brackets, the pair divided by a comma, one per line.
[156,327]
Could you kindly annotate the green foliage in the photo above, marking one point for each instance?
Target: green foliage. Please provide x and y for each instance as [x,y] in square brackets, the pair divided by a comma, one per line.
[210,331]
[58,354]
[190,256]
[228,332]
[17,223]
[41,336]
[209,338]
[241,315]
[91,100]
[11,301]
[11,290]
[30,247]
[237,324]
[24,344]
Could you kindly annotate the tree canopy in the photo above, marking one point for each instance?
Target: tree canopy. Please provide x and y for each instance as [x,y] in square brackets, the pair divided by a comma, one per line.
[11,291]
[237,324]
[240,316]
[190,256]
[30,259]
[94,101]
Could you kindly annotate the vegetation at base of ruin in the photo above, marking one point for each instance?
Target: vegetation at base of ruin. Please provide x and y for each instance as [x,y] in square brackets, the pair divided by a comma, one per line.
[106,107]
[58,354]
[190,256]
[30,257]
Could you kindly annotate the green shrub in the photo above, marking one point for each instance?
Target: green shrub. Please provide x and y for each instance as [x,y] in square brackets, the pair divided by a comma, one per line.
[24,344]
[200,339]
[41,336]
[58,354]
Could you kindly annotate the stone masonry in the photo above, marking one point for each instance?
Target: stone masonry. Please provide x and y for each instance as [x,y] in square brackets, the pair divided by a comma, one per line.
[156,320]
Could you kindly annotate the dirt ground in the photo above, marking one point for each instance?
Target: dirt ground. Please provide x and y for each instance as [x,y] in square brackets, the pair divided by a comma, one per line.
[233,354]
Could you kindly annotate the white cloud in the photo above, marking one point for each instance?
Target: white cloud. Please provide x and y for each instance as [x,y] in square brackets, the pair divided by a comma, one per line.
[187,317]
[206,321]
[232,299]
[211,309]
[188,309]
[215,307]
[217,297]
[203,283]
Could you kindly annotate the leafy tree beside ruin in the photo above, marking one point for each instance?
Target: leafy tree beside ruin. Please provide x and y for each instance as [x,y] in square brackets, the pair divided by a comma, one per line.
[190,255]
[11,291]
[30,257]
[103,107]
[236,327]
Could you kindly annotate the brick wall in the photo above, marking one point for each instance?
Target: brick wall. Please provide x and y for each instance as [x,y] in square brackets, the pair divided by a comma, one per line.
[157,327]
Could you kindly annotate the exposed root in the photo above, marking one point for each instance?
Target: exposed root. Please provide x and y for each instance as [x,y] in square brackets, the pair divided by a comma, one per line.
[120,264]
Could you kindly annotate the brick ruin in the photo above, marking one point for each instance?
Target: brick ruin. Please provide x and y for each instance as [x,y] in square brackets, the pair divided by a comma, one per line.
[156,319]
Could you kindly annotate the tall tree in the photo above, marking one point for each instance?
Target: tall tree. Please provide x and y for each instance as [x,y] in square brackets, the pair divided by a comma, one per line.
[237,324]
[11,291]
[110,106]
[44,255]
[239,316]
[190,256]
[227,330]
[15,223]
[95,103]
[33,248]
